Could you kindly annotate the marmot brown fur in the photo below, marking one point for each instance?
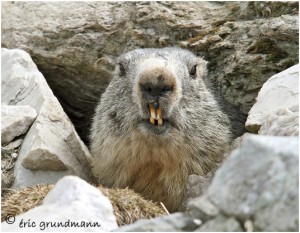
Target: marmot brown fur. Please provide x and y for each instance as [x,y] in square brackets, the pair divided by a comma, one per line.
[159,122]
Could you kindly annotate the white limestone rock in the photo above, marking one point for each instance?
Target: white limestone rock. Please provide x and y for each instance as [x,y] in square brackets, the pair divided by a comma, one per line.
[281,91]
[51,148]
[284,122]
[71,201]
[15,121]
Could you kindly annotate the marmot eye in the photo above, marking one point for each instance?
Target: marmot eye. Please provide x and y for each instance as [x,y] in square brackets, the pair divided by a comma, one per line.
[193,71]
[122,71]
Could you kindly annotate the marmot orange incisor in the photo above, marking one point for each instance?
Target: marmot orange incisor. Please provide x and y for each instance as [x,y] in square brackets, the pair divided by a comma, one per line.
[158,122]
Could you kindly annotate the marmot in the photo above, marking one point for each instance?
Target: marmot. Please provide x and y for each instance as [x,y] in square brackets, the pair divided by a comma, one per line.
[158,122]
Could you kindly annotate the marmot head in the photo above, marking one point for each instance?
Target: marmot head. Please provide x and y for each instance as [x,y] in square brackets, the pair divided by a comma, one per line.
[157,123]
[159,80]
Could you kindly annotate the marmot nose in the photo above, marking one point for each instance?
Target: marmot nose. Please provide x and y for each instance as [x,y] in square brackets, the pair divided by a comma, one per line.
[150,90]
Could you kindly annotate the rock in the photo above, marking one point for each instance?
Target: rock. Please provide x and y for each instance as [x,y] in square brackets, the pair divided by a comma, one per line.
[279,27]
[283,122]
[76,46]
[246,57]
[283,215]
[15,121]
[51,148]
[172,223]
[197,186]
[71,201]
[13,145]
[259,9]
[236,143]
[260,181]
[221,224]
[202,208]
[281,91]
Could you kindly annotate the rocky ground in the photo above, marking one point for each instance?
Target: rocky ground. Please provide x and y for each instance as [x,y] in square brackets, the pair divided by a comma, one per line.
[58,58]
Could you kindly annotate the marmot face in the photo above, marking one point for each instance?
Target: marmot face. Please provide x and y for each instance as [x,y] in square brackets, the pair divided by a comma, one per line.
[157,86]
[156,124]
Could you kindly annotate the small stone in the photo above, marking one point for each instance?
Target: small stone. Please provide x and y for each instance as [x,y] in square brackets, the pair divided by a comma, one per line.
[184,44]
[213,39]
[222,45]
[221,224]
[202,208]
[224,31]
[15,121]
[248,225]
[163,40]
[14,144]
[14,155]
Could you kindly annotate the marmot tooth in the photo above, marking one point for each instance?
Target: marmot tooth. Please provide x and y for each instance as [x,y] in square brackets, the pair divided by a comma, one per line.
[152,111]
[160,122]
[158,114]
[152,121]
[155,115]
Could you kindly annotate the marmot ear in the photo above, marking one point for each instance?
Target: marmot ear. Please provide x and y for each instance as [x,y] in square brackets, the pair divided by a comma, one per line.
[201,68]
[122,71]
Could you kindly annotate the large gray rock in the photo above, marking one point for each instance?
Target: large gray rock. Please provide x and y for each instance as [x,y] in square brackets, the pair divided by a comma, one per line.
[171,223]
[15,121]
[260,181]
[51,148]
[279,93]
[71,201]
[76,45]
